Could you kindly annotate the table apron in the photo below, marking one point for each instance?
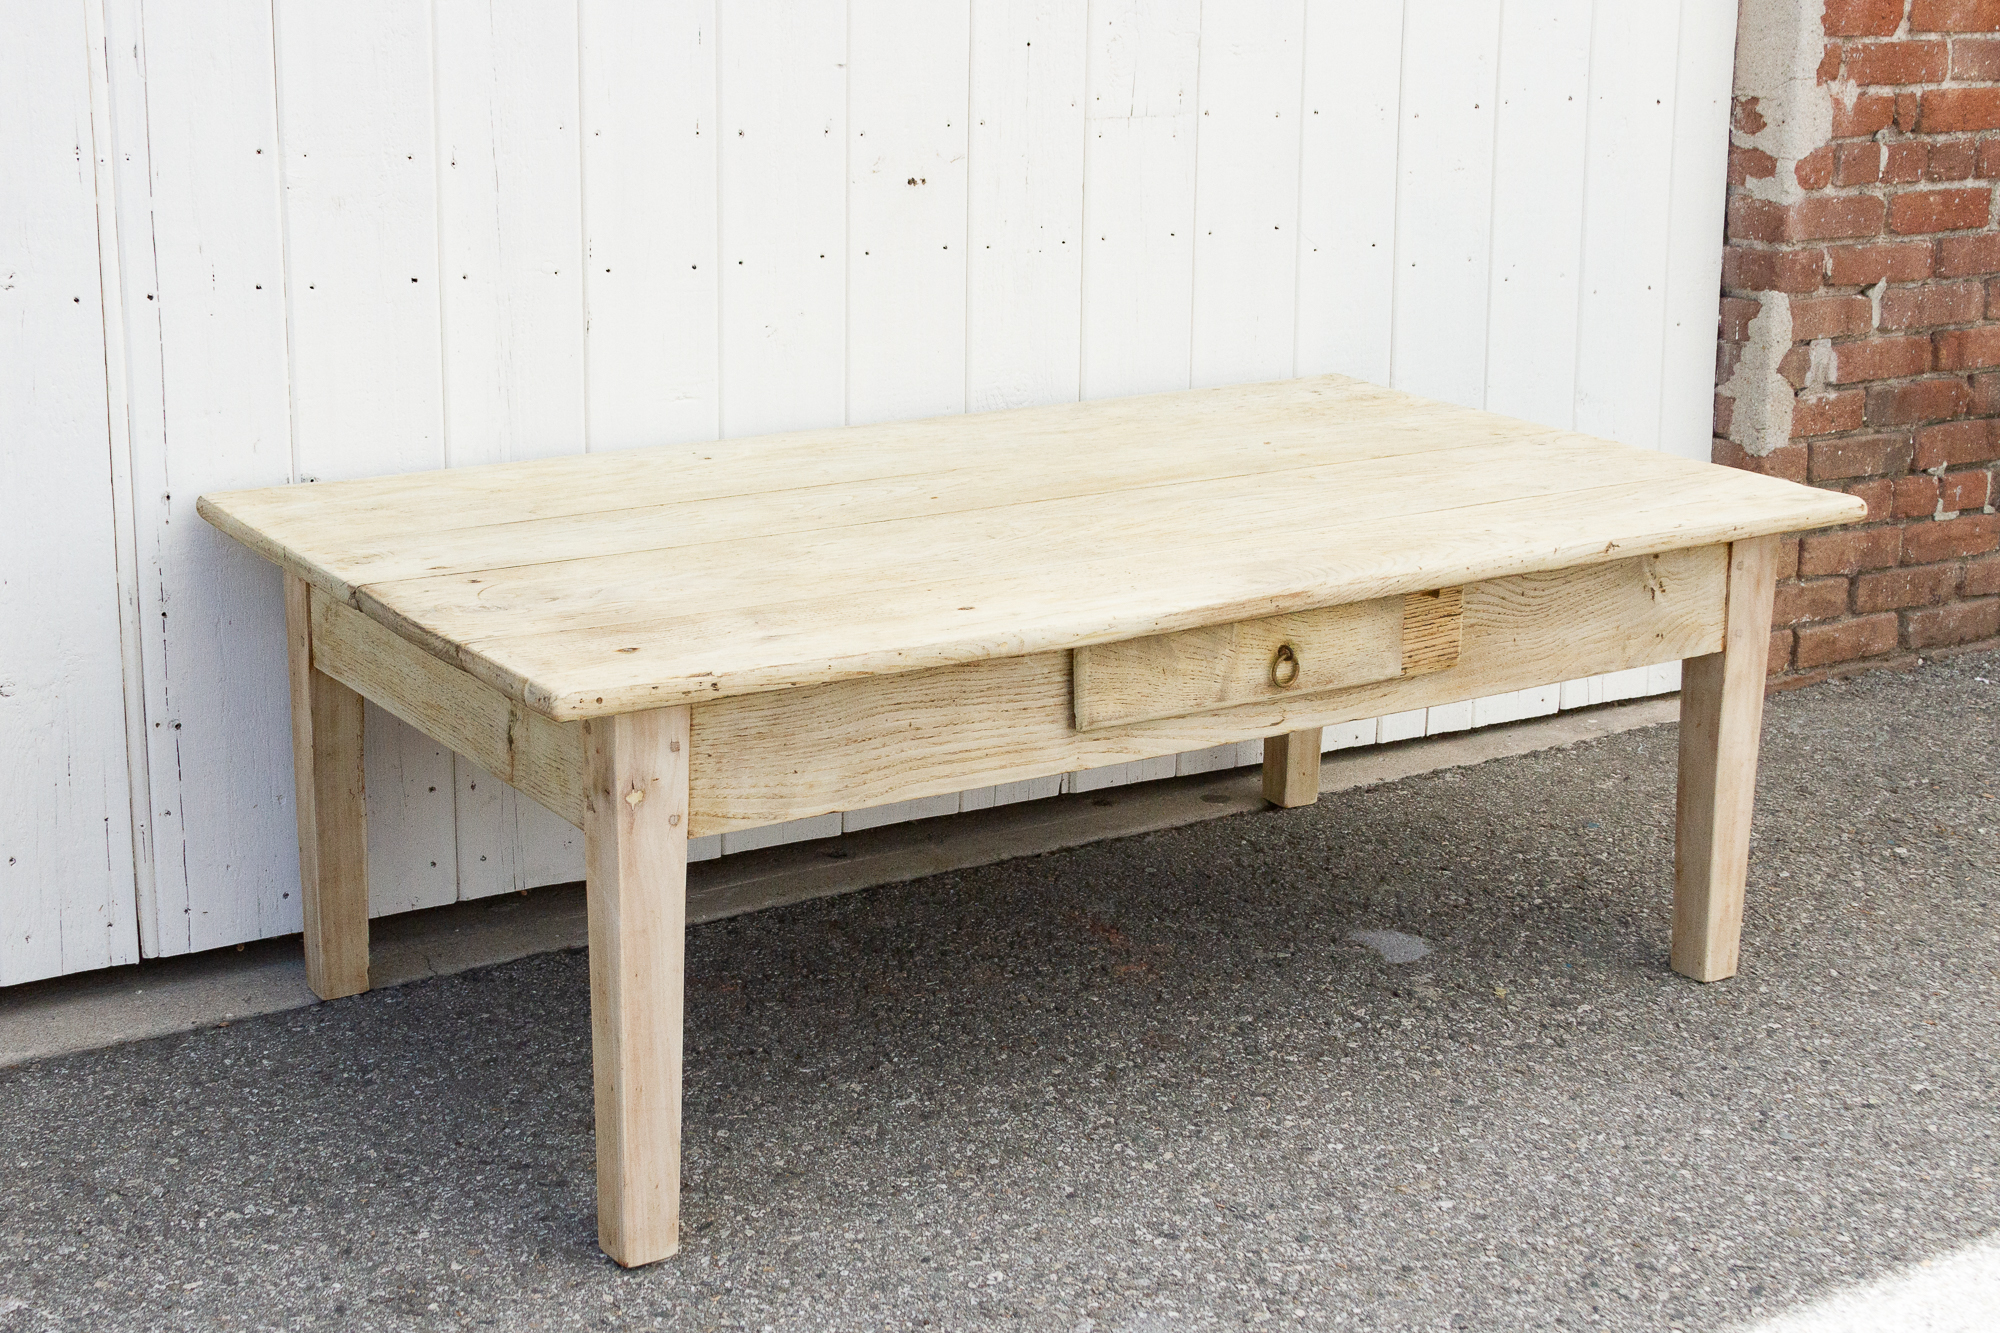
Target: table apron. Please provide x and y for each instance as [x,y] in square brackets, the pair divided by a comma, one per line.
[763,758]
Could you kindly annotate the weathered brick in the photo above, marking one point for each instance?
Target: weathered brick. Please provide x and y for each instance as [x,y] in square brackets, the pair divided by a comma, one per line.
[1871,113]
[1827,217]
[1863,456]
[1836,316]
[1753,219]
[1986,393]
[1968,349]
[1951,160]
[1829,62]
[1920,61]
[1788,558]
[1904,162]
[1737,312]
[1955,110]
[1846,640]
[1815,599]
[1989,157]
[1880,359]
[1780,657]
[1975,59]
[1849,551]
[1853,163]
[1960,622]
[1748,164]
[1794,365]
[1787,460]
[1814,171]
[1993,298]
[1955,16]
[1878,494]
[1862,18]
[1961,491]
[1916,497]
[1748,270]
[1916,585]
[1955,443]
[1862,265]
[1950,538]
[1924,400]
[1828,413]
[1909,106]
[1726,357]
[1932,304]
[1982,577]
[1916,211]
[1967,256]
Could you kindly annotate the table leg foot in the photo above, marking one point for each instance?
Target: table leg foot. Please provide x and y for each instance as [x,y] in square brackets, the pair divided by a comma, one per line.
[332,809]
[1291,768]
[635,854]
[1722,713]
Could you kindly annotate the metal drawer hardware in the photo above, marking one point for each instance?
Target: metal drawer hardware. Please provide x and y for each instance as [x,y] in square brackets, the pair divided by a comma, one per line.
[1285,667]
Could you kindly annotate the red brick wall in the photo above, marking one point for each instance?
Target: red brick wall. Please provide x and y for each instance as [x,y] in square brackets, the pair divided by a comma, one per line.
[1886,253]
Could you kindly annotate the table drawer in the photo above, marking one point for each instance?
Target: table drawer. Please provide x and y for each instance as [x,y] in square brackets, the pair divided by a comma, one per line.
[1308,652]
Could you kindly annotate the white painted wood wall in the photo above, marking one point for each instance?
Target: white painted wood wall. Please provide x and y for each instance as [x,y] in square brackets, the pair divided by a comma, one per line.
[246,243]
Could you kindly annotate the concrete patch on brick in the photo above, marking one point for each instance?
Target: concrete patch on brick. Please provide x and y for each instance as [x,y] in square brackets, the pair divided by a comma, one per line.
[1778,52]
[1762,419]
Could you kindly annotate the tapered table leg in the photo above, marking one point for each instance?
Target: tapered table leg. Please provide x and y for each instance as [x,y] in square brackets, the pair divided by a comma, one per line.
[1722,714]
[635,857]
[332,810]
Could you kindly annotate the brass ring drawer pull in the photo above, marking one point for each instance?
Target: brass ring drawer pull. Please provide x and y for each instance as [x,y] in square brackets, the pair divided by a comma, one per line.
[1285,667]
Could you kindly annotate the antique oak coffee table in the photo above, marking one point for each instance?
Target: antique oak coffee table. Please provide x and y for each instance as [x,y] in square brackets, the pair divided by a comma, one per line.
[688,639]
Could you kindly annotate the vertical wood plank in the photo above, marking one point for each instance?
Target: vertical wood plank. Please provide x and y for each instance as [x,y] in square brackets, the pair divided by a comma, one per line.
[635,834]
[1695,204]
[355,118]
[1722,713]
[1291,768]
[1538,156]
[510,233]
[1347,187]
[1138,195]
[66,885]
[649,209]
[330,798]
[1620,324]
[781,97]
[908,99]
[1444,194]
[202,260]
[1024,204]
[1246,245]
[510,245]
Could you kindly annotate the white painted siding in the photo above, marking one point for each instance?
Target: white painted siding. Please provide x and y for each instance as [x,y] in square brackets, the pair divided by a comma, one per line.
[375,236]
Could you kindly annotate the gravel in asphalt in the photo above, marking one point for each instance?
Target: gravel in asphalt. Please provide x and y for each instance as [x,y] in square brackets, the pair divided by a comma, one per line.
[1169,1081]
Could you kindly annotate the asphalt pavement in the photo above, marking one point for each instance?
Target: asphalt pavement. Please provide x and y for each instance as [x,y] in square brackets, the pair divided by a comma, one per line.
[1170,1081]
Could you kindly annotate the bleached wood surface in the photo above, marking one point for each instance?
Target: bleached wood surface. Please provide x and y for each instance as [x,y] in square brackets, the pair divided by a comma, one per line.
[1216,505]
[639,224]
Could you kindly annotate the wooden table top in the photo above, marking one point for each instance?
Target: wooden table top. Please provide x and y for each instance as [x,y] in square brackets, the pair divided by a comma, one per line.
[600,584]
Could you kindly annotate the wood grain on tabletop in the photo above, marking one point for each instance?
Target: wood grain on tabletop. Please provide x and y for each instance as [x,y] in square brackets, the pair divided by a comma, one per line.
[600,584]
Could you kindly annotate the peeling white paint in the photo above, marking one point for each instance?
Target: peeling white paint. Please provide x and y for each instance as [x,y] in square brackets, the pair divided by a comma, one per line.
[1762,418]
[1778,51]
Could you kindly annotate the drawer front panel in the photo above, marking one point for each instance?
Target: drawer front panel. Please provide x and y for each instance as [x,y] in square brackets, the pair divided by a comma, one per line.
[1309,652]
